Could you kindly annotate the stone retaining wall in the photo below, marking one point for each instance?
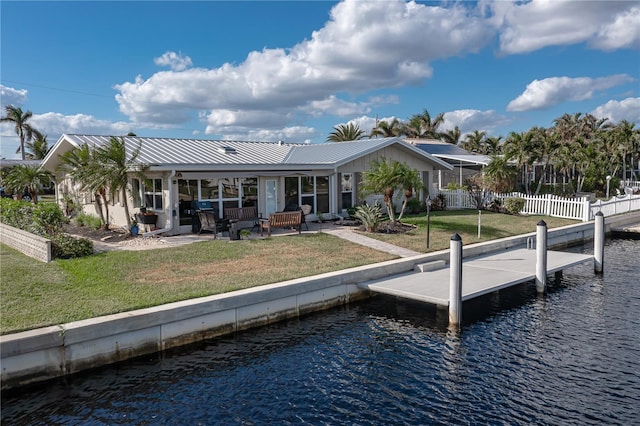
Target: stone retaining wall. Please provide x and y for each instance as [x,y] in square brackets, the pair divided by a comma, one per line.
[30,244]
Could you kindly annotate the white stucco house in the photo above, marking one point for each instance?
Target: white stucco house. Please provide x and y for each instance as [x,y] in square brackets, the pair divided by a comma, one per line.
[271,176]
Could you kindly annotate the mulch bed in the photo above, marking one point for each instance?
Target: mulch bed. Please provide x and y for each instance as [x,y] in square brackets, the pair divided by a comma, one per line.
[103,235]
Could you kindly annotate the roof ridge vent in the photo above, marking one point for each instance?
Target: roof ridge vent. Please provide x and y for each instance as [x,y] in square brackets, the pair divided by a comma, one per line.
[227,150]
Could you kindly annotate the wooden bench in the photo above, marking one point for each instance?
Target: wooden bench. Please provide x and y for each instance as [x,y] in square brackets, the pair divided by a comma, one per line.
[243,214]
[282,220]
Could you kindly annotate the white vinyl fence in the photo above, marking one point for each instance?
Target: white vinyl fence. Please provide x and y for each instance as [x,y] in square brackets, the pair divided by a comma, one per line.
[579,208]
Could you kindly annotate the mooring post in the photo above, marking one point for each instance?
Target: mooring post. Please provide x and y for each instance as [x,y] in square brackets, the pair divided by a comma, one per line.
[598,243]
[541,256]
[455,280]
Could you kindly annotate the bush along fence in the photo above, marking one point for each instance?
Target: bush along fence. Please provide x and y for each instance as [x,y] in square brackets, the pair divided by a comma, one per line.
[578,208]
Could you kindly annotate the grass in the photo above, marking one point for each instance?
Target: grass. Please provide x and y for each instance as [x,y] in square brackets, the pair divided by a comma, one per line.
[34,294]
[443,224]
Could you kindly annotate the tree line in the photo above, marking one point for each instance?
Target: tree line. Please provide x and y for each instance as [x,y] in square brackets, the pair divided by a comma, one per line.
[581,148]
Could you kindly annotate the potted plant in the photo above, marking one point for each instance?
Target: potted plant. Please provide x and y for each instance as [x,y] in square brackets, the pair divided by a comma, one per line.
[134,226]
[244,234]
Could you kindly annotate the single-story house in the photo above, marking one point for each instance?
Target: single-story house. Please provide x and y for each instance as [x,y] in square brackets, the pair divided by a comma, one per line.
[271,176]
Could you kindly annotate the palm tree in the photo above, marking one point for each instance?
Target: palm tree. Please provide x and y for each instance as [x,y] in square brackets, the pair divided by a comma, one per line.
[386,129]
[346,132]
[473,141]
[83,169]
[19,118]
[452,136]
[116,167]
[499,175]
[518,147]
[423,126]
[37,147]
[410,182]
[383,178]
[31,178]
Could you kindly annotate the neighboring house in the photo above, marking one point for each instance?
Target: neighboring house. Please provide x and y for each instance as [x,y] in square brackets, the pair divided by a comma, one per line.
[271,176]
[464,163]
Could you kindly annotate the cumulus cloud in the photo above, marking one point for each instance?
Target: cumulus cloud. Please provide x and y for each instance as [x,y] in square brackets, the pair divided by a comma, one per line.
[56,124]
[173,60]
[528,26]
[11,96]
[616,111]
[468,120]
[542,94]
[303,80]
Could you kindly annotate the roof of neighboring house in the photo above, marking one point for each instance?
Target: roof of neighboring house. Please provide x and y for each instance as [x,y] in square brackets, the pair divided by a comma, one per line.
[449,152]
[10,163]
[201,154]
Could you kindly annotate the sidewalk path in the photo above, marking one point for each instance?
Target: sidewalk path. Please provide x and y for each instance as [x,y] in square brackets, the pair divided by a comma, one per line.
[355,237]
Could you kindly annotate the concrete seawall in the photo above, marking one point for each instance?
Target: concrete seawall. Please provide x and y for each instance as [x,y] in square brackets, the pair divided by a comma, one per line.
[56,351]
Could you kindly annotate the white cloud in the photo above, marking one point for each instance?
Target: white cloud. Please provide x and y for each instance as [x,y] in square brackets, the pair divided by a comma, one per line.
[379,47]
[541,94]
[11,96]
[627,109]
[176,61]
[56,124]
[469,120]
[528,26]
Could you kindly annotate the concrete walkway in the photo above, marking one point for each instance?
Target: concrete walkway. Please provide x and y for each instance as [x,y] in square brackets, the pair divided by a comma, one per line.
[355,237]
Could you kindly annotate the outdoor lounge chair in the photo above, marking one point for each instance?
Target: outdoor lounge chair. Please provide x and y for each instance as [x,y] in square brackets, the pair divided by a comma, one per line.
[209,222]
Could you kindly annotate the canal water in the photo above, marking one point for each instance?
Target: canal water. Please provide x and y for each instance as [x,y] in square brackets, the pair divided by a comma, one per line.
[570,357]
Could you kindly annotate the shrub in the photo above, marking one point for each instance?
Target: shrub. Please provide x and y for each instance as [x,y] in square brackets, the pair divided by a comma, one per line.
[47,219]
[415,206]
[64,246]
[370,216]
[90,221]
[16,213]
[514,205]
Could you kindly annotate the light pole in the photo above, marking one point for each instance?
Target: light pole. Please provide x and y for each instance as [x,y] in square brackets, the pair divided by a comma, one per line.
[608,180]
[428,218]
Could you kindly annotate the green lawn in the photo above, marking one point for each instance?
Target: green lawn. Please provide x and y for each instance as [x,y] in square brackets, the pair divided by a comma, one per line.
[35,294]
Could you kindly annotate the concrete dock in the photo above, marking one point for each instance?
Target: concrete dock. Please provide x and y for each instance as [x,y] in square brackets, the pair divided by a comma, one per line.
[480,275]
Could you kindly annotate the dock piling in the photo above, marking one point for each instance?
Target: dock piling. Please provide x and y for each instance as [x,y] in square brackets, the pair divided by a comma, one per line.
[598,243]
[455,280]
[541,256]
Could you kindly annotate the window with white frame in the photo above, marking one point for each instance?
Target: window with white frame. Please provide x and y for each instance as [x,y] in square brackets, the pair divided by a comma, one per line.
[153,194]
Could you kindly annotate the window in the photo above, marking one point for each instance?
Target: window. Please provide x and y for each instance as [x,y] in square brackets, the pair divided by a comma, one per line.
[249,192]
[187,194]
[311,190]
[347,190]
[153,194]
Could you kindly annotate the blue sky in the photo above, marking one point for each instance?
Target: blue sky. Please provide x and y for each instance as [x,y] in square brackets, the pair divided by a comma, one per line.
[293,70]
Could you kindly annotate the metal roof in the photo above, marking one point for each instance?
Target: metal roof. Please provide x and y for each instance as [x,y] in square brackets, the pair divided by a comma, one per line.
[201,154]
[451,153]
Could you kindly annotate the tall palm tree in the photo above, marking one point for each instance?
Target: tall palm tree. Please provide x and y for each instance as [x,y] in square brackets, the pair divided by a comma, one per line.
[452,136]
[473,141]
[19,119]
[518,147]
[346,132]
[423,126]
[37,147]
[383,178]
[30,177]
[386,129]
